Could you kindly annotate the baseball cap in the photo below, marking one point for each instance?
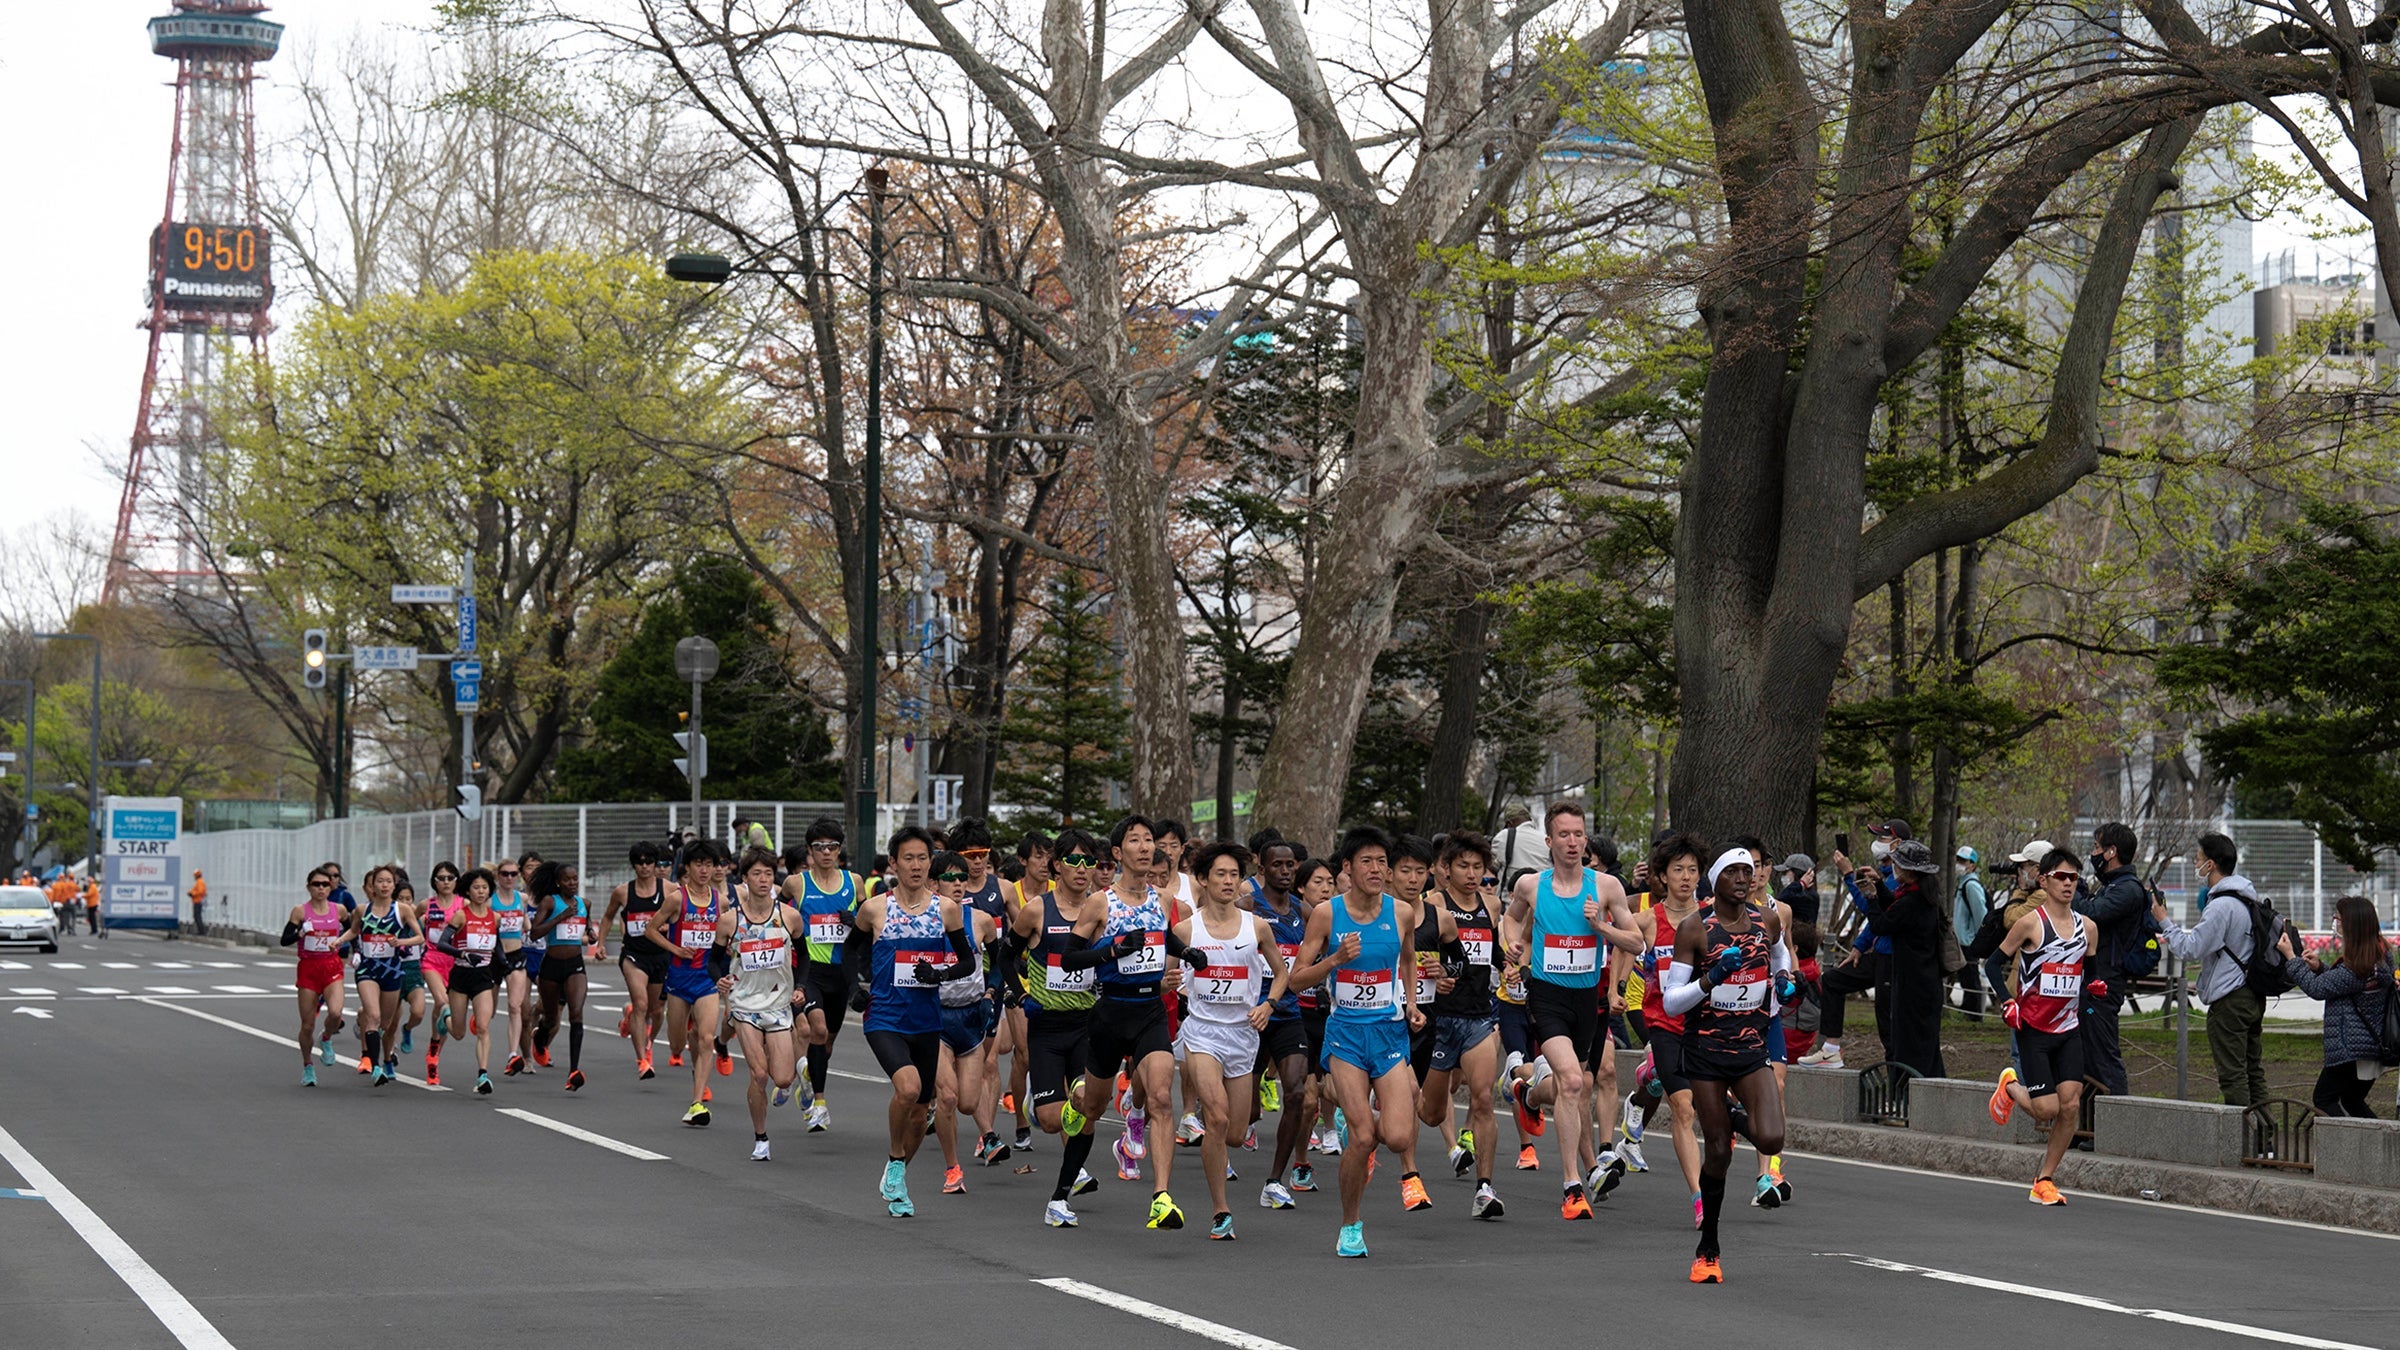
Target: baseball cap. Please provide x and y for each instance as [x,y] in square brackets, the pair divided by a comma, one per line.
[1890,829]
[1799,862]
[1967,854]
[2033,852]
[1910,855]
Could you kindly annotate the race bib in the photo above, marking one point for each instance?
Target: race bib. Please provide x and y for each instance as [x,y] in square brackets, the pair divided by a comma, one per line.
[764,953]
[571,931]
[1429,969]
[2061,980]
[697,936]
[479,942]
[1291,957]
[904,966]
[828,930]
[377,949]
[1745,992]
[1222,984]
[1063,981]
[1570,953]
[1149,959]
[1363,990]
[635,926]
[512,922]
[315,942]
[1478,942]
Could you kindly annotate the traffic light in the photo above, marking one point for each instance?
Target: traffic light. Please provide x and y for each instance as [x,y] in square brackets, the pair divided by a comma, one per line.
[312,658]
[470,801]
[693,763]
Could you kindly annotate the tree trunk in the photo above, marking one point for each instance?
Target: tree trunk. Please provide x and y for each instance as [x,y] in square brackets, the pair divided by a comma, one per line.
[1454,735]
[1904,745]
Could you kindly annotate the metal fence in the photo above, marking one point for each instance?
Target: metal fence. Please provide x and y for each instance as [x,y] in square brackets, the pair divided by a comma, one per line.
[2288,864]
[256,876]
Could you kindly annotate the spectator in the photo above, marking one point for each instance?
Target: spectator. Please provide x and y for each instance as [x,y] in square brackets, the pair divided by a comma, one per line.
[1998,971]
[1800,888]
[1901,909]
[1865,967]
[1520,844]
[2354,990]
[2115,904]
[199,895]
[1805,1010]
[2237,1013]
[1968,904]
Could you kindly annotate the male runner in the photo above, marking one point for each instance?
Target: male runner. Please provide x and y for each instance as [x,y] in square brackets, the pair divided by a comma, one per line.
[1558,936]
[980,1079]
[755,954]
[966,1022]
[1219,1041]
[1058,1005]
[1466,1027]
[2052,946]
[686,929]
[1675,864]
[1285,1045]
[904,943]
[1034,852]
[827,897]
[1412,867]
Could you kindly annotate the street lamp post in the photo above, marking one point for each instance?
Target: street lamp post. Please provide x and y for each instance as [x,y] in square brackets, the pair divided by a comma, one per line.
[91,818]
[696,661]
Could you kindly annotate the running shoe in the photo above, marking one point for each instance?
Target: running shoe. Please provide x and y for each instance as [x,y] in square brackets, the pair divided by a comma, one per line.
[1631,1152]
[1646,1087]
[1353,1241]
[1129,1163]
[1230,1174]
[1610,1169]
[1528,1119]
[1304,1178]
[1250,1139]
[991,1152]
[642,1068]
[1826,1056]
[895,1179]
[541,1055]
[441,1023]
[365,1066]
[1783,1188]
[2045,1192]
[1270,1095]
[1137,1134]
[674,1059]
[901,1208]
[1328,1142]
[1528,1160]
[1222,1229]
[1189,1130]
[483,1083]
[820,1117]
[380,1077]
[1008,1103]
[708,1094]
[1629,1123]
[802,1092]
[1466,1140]
[697,1114]
[1573,1206]
[724,1062]
[1766,1196]
[1085,1183]
[758,1152]
[1487,1203]
[781,1096]
[433,1072]
[575,1080]
[625,1022]
[1124,1095]
[1163,1213]
[1341,1129]
[1462,1161]
[954,1181]
[1705,1270]
[1274,1196]
[1071,1119]
[308,1075]
[1697,1208]
[2003,1105]
[325,1052]
[1024,1142]
[516,1065]
[1057,1215]
[408,1040]
[1412,1193]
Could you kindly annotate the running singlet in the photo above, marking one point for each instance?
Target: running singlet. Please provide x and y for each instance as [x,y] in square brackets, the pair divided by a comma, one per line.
[1471,996]
[1137,975]
[1288,929]
[966,989]
[639,908]
[1655,1016]
[375,935]
[1429,952]
[478,937]
[320,933]
[1565,950]
[826,917]
[899,1001]
[1731,1022]
[762,965]
[1049,989]
[2050,979]
[514,916]
[570,930]
[695,931]
[1225,987]
[1366,988]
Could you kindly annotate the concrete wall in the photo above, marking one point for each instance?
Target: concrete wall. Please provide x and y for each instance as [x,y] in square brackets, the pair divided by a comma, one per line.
[1821,1094]
[1961,1108]
[2358,1152]
[2203,1134]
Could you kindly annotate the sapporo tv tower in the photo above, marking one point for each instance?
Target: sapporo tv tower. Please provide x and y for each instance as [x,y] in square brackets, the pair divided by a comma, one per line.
[210,285]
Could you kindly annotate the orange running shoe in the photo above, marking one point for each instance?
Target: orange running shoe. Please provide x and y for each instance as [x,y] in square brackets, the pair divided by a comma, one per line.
[433,1073]
[724,1063]
[954,1181]
[1574,1206]
[575,1081]
[2045,1192]
[642,1069]
[1412,1193]
[1528,1119]
[1705,1270]
[541,1056]
[1528,1160]
[1008,1103]
[2002,1103]
[625,1022]
[674,1059]
[708,1094]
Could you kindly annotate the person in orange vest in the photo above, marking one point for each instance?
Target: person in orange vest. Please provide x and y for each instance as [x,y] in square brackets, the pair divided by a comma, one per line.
[199,895]
[91,909]
[62,903]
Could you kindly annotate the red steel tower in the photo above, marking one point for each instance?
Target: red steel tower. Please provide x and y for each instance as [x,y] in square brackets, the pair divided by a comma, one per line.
[210,284]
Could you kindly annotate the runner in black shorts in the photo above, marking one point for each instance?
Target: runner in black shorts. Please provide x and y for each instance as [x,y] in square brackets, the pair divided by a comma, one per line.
[1312,881]
[1058,1007]
[641,962]
[1737,948]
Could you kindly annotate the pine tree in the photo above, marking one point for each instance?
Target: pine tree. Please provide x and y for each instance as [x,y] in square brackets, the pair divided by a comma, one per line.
[1064,735]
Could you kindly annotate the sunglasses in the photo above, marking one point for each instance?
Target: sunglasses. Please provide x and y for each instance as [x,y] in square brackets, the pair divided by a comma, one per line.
[320,885]
[509,875]
[951,876]
[825,846]
[1491,881]
[1077,860]
[2062,874]
[974,853]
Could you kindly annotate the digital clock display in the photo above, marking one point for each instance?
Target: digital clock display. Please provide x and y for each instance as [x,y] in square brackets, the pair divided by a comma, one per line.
[203,266]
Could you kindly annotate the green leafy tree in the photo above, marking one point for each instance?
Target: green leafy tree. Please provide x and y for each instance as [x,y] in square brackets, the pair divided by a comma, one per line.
[766,737]
[1065,734]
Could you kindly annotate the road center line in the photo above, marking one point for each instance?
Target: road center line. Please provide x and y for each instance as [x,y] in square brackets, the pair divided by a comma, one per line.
[575,1132]
[2279,1337]
[172,1309]
[1181,1321]
[287,1042]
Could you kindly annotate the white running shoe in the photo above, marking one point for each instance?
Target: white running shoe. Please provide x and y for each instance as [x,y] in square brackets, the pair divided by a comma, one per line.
[1274,1196]
[758,1151]
[1631,1152]
[781,1097]
[1189,1130]
[820,1118]
[1826,1056]
[1057,1215]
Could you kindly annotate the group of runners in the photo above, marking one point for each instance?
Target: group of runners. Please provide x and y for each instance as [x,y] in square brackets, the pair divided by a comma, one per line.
[1358,996]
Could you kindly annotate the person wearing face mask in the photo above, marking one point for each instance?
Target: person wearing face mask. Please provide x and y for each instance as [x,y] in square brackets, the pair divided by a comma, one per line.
[2117,904]
[1902,909]
[1865,968]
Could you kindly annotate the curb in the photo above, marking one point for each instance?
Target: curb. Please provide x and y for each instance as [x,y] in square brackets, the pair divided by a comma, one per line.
[2248,1191]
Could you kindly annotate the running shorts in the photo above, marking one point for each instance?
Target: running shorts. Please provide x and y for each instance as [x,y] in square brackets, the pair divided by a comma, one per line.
[963,1026]
[829,989]
[439,964]
[320,973]
[1312,1024]
[774,1019]
[920,1050]
[690,984]
[647,958]
[1776,1053]
[1702,1065]
[1123,1029]
[1234,1046]
[1420,1049]
[562,965]
[411,979]
[1666,1060]
[1453,1037]
[2047,1059]
[1056,1050]
[1282,1040]
[1556,1010]
[386,975]
[1516,1031]
[473,980]
[1603,1044]
[1377,1046]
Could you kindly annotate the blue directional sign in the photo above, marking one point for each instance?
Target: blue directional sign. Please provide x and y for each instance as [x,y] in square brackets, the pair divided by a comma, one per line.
[466,623]
[469,671]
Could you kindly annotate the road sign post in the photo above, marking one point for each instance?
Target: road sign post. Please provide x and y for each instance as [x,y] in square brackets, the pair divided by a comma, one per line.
[696,661]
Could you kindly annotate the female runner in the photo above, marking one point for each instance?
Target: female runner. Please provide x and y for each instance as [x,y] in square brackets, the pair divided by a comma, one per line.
[564,922]
[318,927]
[472,936]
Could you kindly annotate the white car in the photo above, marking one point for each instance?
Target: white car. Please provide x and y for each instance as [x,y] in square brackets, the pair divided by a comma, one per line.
[25,916]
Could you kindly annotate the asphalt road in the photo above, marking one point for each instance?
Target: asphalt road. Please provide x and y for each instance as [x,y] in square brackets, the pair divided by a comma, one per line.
[195,1194]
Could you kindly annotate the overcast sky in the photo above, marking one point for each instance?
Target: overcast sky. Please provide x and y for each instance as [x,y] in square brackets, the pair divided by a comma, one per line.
[88,108]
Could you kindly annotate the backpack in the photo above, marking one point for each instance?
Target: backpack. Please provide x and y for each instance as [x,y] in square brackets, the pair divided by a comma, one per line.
[2387,1044]
[2138,951]
[2262,969]
[1808,1005]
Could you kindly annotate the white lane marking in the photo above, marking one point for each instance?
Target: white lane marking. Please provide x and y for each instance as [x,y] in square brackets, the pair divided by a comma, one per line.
[171,1308]
[237,989]
[35,993]
[14,965]
[2101,1304]
[585,1135]
[271,965]
[287,1042]
[101,989]
[223,965]
[2096,1195]
[170,965]
[169,989]
[38,1014]
[119,965]
[1181,1321]
[66,965]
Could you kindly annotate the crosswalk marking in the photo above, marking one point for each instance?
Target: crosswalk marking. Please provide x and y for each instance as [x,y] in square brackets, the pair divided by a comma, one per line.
[169,989]
[14,965]
[118,965]
[66,965]
[34,993]
[100,989]
[237,989]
